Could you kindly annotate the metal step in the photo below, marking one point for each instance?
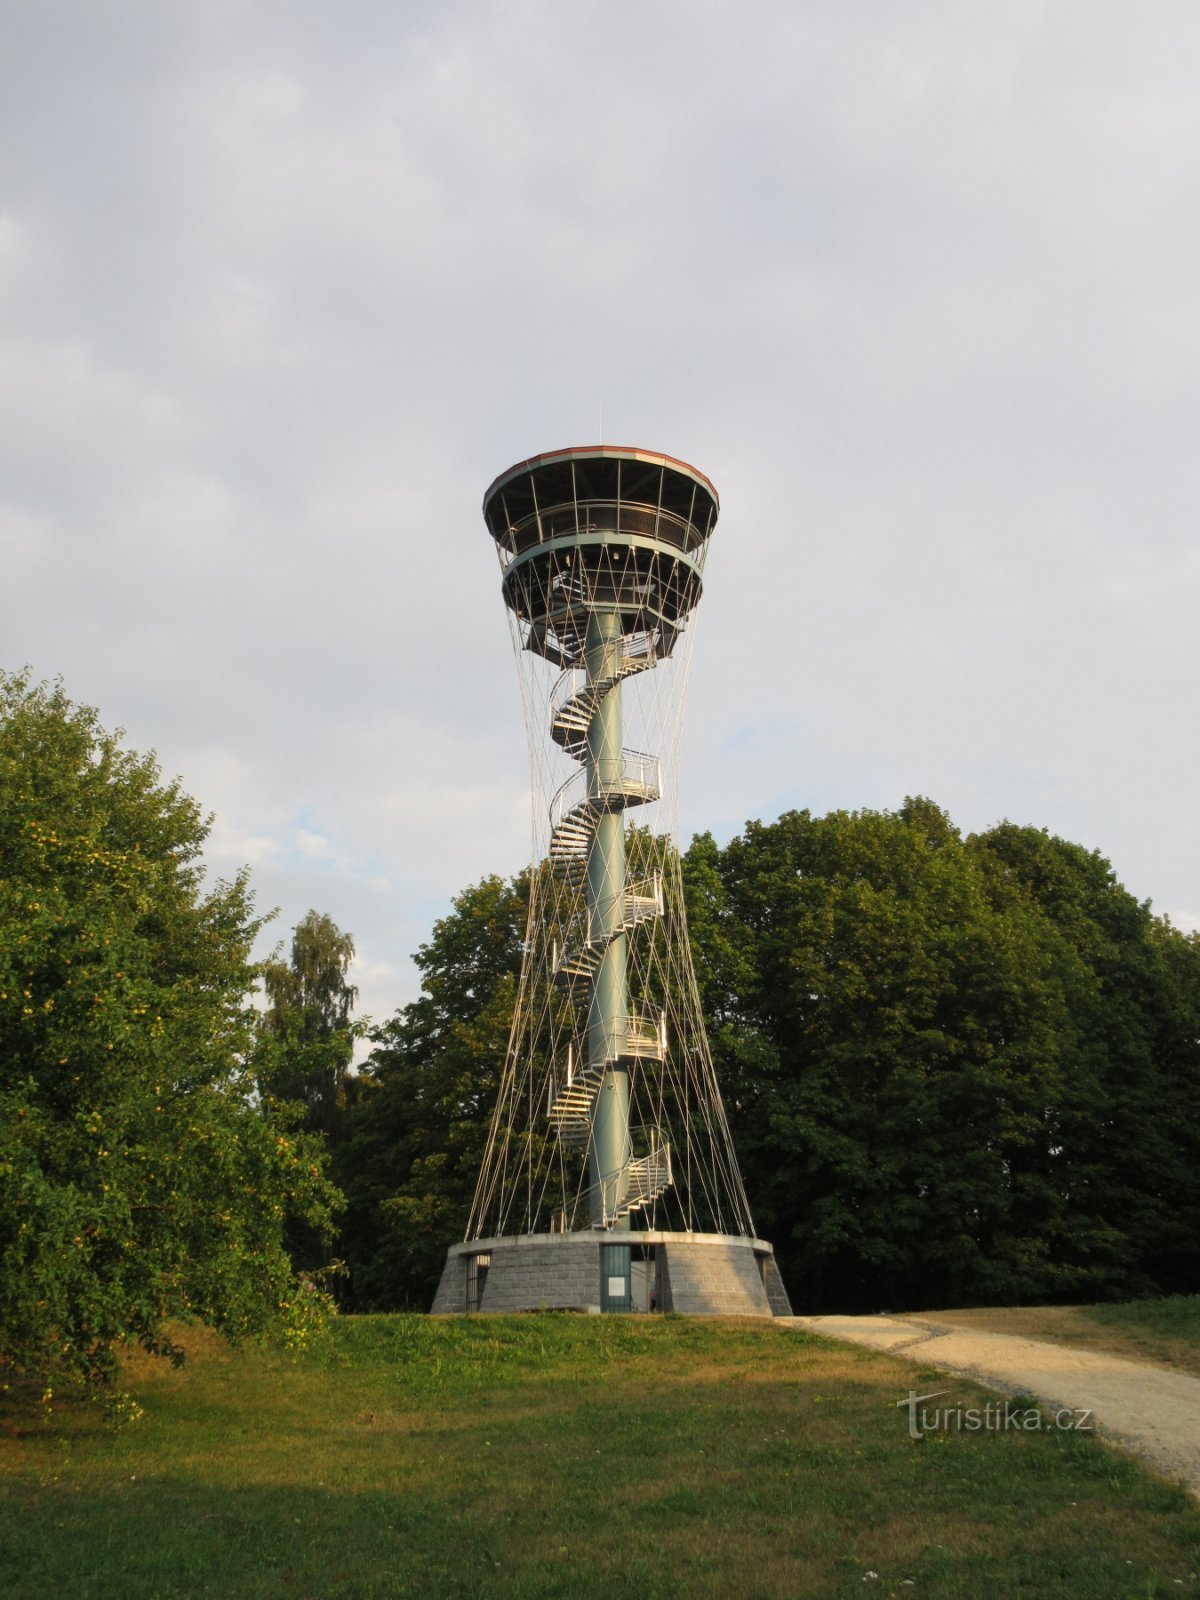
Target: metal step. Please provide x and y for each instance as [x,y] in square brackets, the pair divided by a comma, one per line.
[644,1041]
[648,1178]
[572,837]
[570,1111]
[569,724]
[572,834]
[582,960]
[570,1115]
[573,871]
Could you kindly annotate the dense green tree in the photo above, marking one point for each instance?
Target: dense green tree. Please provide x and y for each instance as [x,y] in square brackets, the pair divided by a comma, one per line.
[958,1069]
[308,1033]
[1174,1261]
[905,1023]
[138,1180]
[417,1132]
[304,1054]
[1121,1143]
[955,1069]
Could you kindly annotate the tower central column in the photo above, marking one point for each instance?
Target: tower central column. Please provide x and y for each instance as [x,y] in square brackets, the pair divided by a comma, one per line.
[608,1009]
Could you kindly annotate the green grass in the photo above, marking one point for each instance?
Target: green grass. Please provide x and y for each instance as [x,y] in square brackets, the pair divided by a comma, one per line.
[1165,1332]
[557,1456]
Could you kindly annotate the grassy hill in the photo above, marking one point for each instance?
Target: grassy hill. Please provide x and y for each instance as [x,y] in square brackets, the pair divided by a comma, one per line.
[562,1456]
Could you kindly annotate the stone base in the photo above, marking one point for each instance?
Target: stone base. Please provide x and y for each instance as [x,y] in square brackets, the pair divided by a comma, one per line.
[696,1274]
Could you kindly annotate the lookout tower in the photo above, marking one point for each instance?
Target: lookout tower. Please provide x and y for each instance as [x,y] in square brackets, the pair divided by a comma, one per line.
[609,1181]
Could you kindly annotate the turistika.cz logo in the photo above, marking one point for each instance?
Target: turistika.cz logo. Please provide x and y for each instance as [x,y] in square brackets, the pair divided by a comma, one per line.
[998,1416]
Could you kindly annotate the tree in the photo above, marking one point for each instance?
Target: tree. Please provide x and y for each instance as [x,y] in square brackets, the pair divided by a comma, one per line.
[307,1031]
[957,1069]
[1122,1144]
[138,1179]
[417,1131]
[905,1044]
[305,1050]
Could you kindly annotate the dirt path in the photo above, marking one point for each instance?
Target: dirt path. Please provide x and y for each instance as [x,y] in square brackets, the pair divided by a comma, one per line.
[1149,1410]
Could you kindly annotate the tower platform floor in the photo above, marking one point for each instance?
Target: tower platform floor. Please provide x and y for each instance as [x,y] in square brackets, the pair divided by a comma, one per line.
[696,1274]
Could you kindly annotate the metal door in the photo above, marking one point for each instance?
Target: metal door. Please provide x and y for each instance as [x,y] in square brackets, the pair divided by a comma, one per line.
[615,1288]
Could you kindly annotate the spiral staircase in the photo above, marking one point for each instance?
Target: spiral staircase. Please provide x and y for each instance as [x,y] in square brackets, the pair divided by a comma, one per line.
[574,814]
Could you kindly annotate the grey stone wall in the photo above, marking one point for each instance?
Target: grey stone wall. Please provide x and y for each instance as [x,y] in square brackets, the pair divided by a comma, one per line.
[551,1272]
[451,1293]
[781,1306]
[699,1274]
[560,1274]
[718,1279]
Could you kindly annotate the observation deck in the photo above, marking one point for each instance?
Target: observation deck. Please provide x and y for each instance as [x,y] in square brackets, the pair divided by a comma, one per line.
[601,526]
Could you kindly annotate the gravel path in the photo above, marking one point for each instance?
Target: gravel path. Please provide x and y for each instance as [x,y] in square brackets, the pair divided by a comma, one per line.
[1151,1411]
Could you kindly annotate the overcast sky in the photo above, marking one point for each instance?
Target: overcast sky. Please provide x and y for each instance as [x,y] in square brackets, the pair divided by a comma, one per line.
[284,285]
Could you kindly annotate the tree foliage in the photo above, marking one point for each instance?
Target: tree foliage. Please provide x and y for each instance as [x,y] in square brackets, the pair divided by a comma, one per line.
[956,1069]
[417,1132]
[138,1181]
[960,1070]
[1122,1143]
[307,1031]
